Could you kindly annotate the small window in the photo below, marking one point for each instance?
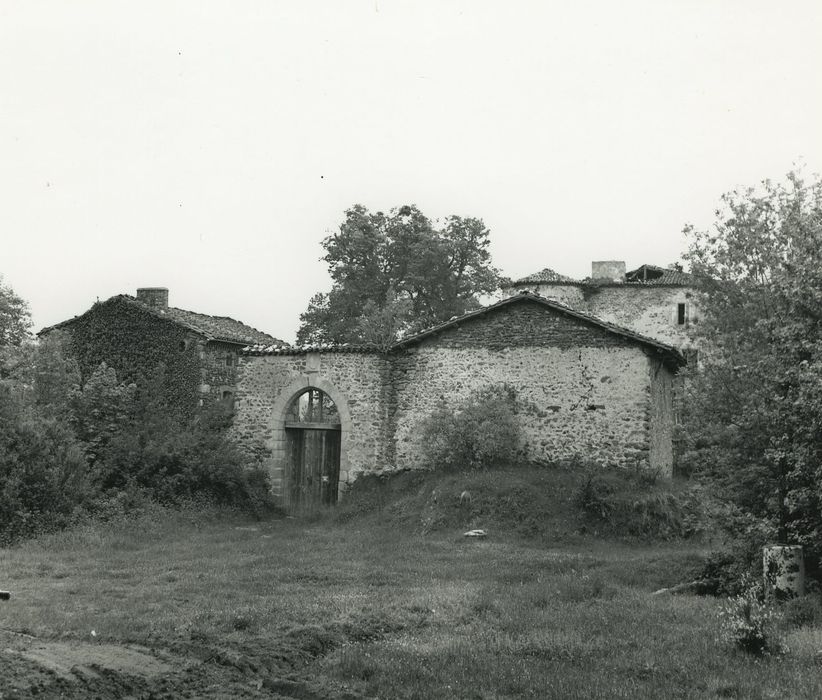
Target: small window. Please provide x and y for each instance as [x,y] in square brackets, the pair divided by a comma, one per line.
[227,396]
[229,360]
[680,314]
[313,406]
[183,346]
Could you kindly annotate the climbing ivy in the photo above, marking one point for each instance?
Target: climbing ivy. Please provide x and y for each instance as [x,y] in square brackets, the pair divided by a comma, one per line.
[136,342]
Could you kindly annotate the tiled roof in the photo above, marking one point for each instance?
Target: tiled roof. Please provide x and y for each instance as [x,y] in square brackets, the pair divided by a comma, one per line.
[220,328]
[546,276]
[654,275]
[643,275]
[285,349]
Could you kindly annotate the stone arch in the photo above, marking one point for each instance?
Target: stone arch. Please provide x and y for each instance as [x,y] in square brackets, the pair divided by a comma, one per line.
[278,438]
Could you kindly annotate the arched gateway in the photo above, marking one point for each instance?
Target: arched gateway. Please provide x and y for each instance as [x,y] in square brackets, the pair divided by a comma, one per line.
[313,433]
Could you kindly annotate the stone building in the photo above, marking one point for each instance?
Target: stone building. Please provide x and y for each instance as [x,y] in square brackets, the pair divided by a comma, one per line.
[587,390]
[654,301]
[199,352]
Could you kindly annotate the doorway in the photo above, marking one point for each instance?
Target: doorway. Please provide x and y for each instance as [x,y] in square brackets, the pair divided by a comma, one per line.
[312,469]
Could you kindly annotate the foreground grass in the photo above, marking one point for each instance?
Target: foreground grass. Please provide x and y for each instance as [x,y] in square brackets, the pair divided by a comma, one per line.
[331,609]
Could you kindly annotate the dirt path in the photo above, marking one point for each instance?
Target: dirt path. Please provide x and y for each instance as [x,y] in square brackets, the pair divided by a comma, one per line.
[42,668]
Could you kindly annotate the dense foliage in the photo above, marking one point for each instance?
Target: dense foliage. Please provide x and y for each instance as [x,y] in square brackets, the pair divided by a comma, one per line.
[484,432]
[73,444]
[136,342]
[43,476]
[15,319]
[634,504]
[395,271]
[753,420]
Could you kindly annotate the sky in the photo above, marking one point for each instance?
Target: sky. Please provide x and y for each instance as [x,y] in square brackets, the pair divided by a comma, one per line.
[209,147]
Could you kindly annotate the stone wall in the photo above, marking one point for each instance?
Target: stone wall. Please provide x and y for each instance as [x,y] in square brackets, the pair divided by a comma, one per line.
[650,310]
[356,382]
[647,309]
[218,370]
[661,419]
[583,392]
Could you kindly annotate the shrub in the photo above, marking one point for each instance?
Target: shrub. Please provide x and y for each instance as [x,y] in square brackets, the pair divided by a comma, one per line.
[485,431]
[748,622]
[634,504]
[43,475]
[179,459]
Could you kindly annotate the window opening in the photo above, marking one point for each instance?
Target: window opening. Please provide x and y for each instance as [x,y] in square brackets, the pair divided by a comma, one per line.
[229,360]
[313,406]
[680,314]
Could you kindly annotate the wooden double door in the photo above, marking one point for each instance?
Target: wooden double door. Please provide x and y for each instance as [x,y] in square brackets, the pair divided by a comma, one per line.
[312,466]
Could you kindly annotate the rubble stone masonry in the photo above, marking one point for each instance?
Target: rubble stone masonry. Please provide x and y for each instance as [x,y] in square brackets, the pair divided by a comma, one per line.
[584,393]
[650,310]
[355,381]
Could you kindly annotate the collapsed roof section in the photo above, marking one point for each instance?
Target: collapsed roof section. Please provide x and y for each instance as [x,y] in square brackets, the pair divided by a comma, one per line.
[644,275]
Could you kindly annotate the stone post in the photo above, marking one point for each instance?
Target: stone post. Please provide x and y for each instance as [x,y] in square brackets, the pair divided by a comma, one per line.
[783,569]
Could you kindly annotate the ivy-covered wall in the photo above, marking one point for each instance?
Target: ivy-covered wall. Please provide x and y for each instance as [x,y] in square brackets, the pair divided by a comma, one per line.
[218,371]
[135,341]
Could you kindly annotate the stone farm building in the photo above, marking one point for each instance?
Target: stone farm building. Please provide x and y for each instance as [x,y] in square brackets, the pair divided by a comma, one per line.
[593,364]
[134,335]
[587,390]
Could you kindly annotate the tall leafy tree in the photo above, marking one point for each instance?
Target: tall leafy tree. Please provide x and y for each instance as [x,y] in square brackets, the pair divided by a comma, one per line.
[397,271]
[753,422]
[15,318]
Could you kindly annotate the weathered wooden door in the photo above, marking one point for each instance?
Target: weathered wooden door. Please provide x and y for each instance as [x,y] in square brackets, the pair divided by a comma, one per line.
[313,439]
[313,469]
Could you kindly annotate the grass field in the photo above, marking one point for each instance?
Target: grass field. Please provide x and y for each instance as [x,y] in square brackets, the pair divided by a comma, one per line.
[359,605]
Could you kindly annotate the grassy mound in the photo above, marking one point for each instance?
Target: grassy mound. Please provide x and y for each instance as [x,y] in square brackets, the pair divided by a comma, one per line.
[529,501]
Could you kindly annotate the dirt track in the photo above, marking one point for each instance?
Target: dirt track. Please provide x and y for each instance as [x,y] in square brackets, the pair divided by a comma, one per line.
[31,667]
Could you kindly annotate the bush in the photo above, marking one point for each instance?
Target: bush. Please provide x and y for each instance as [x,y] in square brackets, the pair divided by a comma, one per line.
[65,450]
[483,433]
[178,459]
[68,451]
[748,622]
[632,504]
[43,475]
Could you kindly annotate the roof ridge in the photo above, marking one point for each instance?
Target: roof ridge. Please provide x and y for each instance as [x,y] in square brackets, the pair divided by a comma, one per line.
[239,336]
[669,350]
[550,303]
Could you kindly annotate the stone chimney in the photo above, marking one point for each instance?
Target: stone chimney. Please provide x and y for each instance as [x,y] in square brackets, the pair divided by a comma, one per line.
[608,270]
[155,297]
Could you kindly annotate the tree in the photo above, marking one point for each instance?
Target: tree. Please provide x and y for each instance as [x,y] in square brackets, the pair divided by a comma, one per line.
[397,271]
[15,318]
[753,419]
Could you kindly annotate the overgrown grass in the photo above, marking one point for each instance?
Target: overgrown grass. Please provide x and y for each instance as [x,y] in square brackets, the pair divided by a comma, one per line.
[351,607]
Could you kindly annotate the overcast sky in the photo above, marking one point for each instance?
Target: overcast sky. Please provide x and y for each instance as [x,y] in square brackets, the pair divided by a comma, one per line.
[208,147]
